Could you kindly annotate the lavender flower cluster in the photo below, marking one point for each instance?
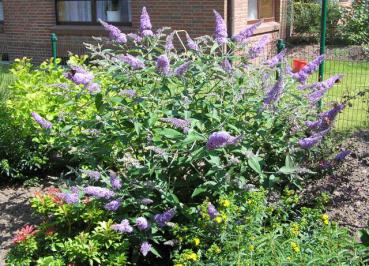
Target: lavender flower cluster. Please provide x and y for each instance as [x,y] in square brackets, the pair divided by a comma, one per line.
[258,47]
[114,33]
[307,70]
[220,34]
[41,121]
[246,33]
[80,76]
[178,123]
[131,60]
[221,139]
[163,218]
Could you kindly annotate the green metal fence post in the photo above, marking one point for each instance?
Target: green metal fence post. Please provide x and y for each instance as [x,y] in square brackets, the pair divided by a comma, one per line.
[280,46]
[54,40]
[323,33]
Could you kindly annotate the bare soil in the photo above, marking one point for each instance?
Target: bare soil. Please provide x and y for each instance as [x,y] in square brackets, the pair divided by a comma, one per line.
[348,186]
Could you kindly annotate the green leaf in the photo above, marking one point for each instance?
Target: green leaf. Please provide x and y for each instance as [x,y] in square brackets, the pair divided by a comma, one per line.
[169,133]
[254,164]
[155,252]
[198,191]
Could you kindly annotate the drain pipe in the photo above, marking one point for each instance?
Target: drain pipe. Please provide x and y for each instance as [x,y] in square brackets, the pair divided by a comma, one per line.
[231,8]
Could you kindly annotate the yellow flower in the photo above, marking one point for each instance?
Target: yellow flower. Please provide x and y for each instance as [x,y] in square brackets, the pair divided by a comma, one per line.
[325,219]
[295,230]
[217,250]
[178,264]
[289,258]
[193,256]
[196,241]
[225,203]
[251,248]
[295,247]
[218,219]
[249,201]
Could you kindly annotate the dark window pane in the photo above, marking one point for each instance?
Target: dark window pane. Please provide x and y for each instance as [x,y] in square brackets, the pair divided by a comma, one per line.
[74,11]
[266,9]
[114,10]
[1,11]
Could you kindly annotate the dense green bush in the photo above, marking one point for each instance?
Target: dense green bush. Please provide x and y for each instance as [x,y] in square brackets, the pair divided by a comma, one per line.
[306,22]
[161,138]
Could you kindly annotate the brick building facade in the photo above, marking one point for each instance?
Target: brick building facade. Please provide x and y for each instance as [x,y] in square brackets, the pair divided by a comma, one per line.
[26,25]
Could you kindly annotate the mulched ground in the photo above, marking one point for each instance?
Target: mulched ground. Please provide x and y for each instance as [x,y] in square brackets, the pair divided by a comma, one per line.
[348,187]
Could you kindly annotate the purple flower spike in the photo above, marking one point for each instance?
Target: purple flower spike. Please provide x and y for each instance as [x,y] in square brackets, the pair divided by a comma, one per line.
[327,84]
[275,60]
[342,155]
[41,121]
[128,93]
[162,65]
[142,224]
[307,143]
[226,66]
[115,182]
[331,114]
[92,174]
[147,201]
[69,198]
[134,37]
[220,33]
[182,69]
[163,218]
[192,44]
[275,92]
[134,62]
[145,23]
[307,70]
[99,192]
[145,248]
[123,227]
[212,211]
[258,47]
[169,42]
[246,33]
[112,206]
[93,88]
[178,123]
[79,75]
[114,33]
[221,139]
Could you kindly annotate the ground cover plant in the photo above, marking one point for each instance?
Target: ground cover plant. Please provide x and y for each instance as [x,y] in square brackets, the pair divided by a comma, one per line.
[175,153]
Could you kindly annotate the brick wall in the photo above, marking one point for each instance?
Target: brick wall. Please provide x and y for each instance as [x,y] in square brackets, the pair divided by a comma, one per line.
[29,23]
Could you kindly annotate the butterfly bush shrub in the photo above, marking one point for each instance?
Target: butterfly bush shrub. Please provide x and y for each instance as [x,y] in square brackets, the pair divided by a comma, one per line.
[159,122]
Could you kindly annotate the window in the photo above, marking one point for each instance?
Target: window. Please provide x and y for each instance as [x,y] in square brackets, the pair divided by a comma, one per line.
[1,11]
[258,9]
[90,11]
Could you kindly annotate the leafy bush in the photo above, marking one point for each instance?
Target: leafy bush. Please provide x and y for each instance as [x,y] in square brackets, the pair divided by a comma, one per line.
[306,22]
[156,131]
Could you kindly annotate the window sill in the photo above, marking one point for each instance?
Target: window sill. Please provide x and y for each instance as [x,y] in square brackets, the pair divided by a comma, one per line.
[81,30]
[266,27]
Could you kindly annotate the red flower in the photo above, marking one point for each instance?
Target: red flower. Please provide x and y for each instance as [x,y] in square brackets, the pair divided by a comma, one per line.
[24,233]
[50,231]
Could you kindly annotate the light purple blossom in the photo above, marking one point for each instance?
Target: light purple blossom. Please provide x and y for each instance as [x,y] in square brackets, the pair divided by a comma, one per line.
[275,60]
[326,84]
[147,201]
[142,223]
[182,69]
[220,33]
[309,142]
[246,33]
[145,248]
[307,70]
[169,42]
[69,198]
[257,48]
[133,61]
[92,174]
[226,65]
[331,114]
[178,123]
[99,192]
[79,75]
[212,211]
[275,92]
[123,227]
[162,65]
[163,218]
[128,93]
[145,23]
[342,155]
[112,205]
[325,118]
[157,150]
[94,88]
[115,182]
[192,44]
[135,37]
[41,121]
[114,33]
[221,139]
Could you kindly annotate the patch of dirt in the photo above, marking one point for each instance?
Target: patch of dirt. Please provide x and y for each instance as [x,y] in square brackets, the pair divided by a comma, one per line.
[15,212]
[348,186]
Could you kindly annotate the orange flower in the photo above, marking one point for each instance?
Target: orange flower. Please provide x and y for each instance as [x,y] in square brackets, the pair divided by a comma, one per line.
[24,233]
[50,231]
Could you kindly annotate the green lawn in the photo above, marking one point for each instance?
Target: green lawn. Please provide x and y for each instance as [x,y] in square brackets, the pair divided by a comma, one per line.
[355,79]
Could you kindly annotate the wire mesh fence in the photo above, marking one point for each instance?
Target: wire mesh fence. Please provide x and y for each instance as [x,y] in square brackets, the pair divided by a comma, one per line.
[353,64]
